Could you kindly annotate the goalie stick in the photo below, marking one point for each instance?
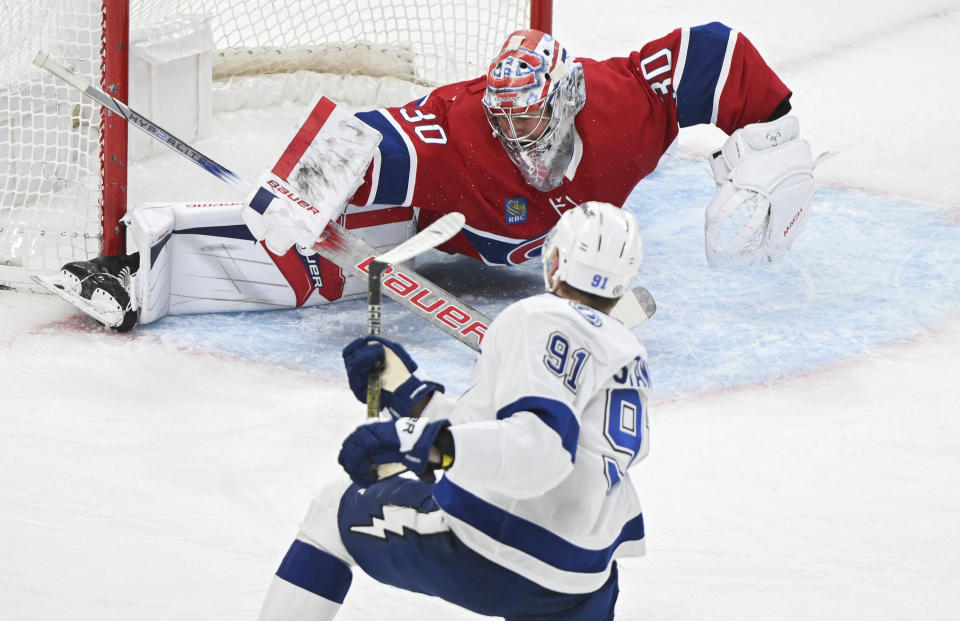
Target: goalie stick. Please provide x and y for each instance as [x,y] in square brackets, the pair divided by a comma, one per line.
[349,252]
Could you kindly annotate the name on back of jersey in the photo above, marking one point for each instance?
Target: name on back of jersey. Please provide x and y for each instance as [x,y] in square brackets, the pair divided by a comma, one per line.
[634,374]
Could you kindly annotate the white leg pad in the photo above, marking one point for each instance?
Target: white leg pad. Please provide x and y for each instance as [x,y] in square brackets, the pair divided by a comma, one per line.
[215,270]
[200,258]
[151,226]
[187,265]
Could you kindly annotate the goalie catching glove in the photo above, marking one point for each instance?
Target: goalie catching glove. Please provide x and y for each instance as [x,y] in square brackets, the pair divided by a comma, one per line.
[312,180]
[764,176]
[400,388]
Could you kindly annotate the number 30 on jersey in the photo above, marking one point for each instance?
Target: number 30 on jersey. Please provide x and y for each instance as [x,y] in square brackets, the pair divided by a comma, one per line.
[430,133]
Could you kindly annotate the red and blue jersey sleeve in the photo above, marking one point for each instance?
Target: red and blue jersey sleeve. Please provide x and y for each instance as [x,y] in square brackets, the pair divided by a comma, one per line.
[407,130]
[390,178]
[712,74]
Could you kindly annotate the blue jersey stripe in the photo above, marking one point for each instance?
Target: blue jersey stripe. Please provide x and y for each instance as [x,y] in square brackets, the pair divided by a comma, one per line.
[498,250]
[556,414]
[394,160]
[528,537]
[701,72]
[233,231]
[316,571]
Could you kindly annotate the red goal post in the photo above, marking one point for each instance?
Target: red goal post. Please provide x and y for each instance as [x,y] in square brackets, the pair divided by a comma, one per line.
[65,160]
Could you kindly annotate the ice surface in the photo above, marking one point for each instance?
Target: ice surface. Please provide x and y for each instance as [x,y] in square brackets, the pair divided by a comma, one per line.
[870,271]
[806,444]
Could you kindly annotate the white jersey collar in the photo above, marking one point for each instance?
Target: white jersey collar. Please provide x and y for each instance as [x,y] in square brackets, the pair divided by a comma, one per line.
[577,154]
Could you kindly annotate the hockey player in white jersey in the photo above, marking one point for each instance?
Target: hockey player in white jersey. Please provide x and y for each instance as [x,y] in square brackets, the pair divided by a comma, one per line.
[535,503]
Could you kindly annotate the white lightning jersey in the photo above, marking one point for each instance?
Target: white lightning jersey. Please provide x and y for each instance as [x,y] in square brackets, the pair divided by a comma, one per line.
[555,414]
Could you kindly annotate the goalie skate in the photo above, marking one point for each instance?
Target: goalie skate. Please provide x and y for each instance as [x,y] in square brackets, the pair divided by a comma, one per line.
[99,288]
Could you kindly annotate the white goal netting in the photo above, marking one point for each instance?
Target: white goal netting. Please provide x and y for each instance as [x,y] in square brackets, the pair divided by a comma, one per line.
[50,137]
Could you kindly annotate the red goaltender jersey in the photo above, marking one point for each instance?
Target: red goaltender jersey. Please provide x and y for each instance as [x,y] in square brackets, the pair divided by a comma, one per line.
[438,154]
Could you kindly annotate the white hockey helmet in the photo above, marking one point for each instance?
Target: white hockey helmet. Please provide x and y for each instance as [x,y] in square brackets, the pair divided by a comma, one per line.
[596,248]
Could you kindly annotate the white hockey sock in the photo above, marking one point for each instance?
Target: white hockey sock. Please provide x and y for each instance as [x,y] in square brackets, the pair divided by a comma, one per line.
[310,585]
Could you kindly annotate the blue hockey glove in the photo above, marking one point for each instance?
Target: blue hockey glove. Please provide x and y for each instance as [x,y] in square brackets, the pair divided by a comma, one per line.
[405,440]
[400,387]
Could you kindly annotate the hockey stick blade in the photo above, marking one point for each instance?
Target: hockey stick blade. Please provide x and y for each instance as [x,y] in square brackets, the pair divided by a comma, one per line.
[635,307]
[430,237]
[337,244]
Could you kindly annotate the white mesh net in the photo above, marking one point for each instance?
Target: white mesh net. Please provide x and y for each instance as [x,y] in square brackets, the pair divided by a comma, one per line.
[50,194]
[49,137]
[736,231]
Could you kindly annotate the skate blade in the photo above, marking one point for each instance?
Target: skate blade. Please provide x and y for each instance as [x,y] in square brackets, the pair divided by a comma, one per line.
[109,314]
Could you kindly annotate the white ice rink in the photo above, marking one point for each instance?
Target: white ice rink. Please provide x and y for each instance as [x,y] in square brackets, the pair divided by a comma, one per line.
[151,477]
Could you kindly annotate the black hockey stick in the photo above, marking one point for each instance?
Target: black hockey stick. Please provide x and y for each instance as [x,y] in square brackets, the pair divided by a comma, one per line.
[430,237]
[374,318]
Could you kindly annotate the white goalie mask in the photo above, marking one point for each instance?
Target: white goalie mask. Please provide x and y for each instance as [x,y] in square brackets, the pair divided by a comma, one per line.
[534,91]
[596,248]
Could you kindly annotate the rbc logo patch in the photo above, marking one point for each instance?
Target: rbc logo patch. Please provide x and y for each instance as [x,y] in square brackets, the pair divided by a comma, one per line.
[515,210]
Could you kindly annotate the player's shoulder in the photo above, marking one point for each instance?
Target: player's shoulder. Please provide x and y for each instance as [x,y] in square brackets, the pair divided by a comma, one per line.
[547,312]
[448,95]
[610,72]
[615,84]
[550,321]
[434,106]
[544,304]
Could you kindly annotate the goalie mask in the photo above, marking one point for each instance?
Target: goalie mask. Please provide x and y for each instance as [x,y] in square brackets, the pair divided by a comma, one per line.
[595,248]
[534,91]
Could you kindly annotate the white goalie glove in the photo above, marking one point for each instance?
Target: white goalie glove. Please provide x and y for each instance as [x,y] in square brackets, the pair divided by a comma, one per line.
[312,180]
[764,176]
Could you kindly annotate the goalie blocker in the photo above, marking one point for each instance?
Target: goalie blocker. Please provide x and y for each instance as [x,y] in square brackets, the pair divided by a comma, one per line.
[313,179]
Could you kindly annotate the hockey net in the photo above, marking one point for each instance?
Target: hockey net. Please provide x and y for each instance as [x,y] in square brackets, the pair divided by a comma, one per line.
[63,162]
